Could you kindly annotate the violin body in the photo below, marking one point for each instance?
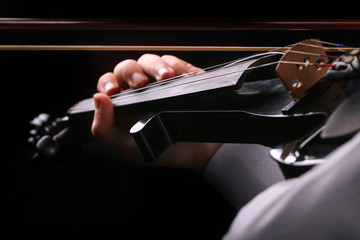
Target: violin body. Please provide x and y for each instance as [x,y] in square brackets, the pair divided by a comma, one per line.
[242,102]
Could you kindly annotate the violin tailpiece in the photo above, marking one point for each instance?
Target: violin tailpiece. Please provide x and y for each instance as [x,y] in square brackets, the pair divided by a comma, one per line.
[302,66]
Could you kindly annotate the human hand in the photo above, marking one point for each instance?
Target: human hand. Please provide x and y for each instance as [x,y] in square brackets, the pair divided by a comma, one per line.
[114,131]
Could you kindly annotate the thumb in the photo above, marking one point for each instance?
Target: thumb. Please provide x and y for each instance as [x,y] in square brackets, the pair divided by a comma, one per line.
[104,119]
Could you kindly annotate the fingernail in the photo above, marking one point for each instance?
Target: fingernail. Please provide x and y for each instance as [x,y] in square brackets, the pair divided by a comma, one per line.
[164,72]
[109,86]
[138,79]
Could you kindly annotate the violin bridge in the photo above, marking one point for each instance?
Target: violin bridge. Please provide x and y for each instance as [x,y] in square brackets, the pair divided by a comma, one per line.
[302,66]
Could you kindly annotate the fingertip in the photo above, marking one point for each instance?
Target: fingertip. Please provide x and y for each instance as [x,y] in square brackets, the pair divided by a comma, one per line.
[111,88]
[100,95]
[156,67]
[103,102]
[138,80]
[164,73]
[108,84]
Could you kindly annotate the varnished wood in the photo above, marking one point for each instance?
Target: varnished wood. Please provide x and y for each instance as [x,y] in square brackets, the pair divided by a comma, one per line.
[305,76]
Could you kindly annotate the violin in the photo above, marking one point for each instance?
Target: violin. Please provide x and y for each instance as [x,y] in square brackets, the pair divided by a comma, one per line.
[300,100]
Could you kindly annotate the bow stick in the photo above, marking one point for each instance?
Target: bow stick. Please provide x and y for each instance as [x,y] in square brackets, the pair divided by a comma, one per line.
[150,48]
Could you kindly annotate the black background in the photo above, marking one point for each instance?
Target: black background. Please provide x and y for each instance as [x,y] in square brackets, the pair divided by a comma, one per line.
[178,9]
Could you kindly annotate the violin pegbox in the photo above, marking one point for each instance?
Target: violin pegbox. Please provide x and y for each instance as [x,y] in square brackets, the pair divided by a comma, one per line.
[302,66]
[45,133]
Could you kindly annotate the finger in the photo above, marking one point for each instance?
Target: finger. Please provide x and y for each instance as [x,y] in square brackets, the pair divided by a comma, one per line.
[156,67]
[104,119]
[108,84]
[193,69]
[180,66]
[129,73]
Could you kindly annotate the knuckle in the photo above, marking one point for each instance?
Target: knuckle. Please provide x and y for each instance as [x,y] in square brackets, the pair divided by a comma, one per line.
[170,58]
[121,66]
[147,56]
[174,62]
[105,77]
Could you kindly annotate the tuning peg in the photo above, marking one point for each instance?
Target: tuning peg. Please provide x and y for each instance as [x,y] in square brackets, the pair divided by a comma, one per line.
[31,140]
[41,119]
[35,135]
[47,146]
[33,132]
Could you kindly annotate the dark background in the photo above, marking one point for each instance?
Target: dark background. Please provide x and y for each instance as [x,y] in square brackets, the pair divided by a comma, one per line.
[94,194]
[178,9]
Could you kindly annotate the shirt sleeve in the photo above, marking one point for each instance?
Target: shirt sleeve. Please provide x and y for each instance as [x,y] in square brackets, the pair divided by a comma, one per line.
[324,203]
[241,171]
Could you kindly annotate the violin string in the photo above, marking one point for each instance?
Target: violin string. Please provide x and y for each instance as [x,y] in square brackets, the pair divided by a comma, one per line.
[88,105]
[339,45]
[241,60]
